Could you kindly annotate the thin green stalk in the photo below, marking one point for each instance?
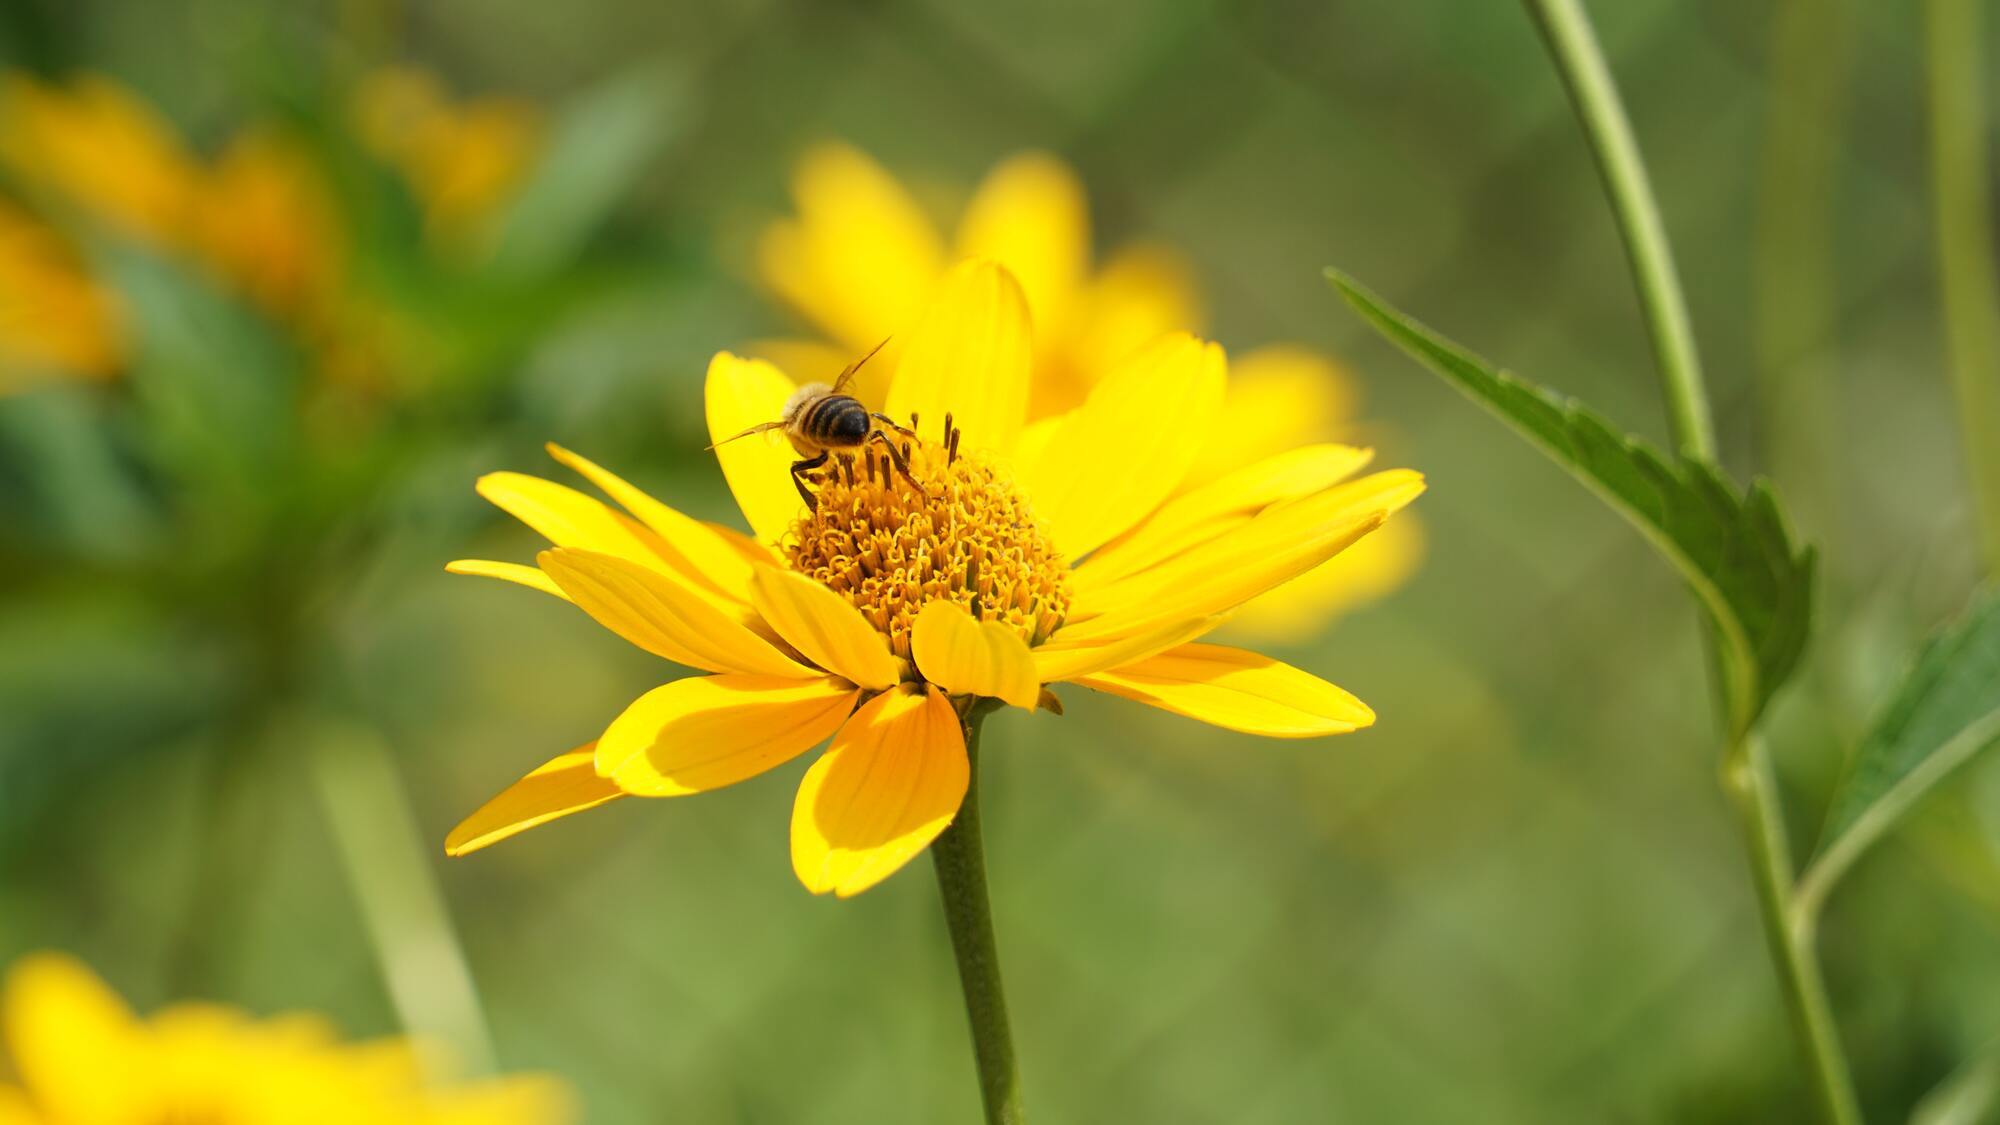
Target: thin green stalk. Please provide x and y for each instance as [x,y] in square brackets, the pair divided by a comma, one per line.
[387,864]
[1581,63]
[1746,773]
[1794,272]
[1954,36]
[1753,792]
[960,858]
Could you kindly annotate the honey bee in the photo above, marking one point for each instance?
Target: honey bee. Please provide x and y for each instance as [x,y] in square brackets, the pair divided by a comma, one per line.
[820,421]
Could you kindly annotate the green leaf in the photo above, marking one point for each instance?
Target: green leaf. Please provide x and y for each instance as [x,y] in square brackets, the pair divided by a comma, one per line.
[598,148]
[1732,547]
[1946,711]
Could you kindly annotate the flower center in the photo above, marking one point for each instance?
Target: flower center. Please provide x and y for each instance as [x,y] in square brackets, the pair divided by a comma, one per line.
[968,536]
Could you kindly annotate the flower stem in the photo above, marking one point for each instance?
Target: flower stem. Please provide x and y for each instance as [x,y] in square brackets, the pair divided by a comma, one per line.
[1581,63]
[1959,178]
[1746,772]
[1752,789]
[960,858]
[375,833]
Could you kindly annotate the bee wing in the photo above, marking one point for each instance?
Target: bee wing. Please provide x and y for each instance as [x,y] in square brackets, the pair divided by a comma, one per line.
[847,374]
[761,427]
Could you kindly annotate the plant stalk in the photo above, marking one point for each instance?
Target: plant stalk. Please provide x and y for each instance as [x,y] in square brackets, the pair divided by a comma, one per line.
[1566,30]
[1753,792]
[960,858]
[1953,35]
[1746,772]
[375,833]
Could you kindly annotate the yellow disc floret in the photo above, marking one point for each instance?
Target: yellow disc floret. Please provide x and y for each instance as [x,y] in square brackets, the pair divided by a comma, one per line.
[968,536]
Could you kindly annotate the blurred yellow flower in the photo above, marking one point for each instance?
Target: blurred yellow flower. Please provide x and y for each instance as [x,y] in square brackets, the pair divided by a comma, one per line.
[54,320]
[928,574]
[94,144]
[83,1058]
[462,160]
[861,256]
[269,226]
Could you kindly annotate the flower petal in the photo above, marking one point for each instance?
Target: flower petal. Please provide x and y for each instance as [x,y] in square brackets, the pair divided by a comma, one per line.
[1243,691]
[528,576]
[568,518]
[862,255]
[825,627]
[1280,396]
[1195,517]
[1121,453]
[1363,573]
[1139,295]
[965,656]
[1030,215]
[742,393]
[891,782]
[1065,658]
[970,356]
[702,554]
[66,1031]
[662,615]
[1281,543]
[555,789]
[706,732]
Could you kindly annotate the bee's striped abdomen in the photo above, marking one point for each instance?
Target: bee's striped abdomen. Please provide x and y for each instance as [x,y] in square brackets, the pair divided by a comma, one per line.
[835,422]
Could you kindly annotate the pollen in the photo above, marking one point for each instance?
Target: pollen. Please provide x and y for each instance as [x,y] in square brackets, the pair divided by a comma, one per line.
[967,536]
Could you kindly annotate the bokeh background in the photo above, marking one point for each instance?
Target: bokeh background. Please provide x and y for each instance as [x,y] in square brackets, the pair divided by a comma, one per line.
[231,666]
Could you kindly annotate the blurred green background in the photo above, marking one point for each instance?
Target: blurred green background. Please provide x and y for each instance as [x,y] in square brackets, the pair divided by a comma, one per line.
[1518,898]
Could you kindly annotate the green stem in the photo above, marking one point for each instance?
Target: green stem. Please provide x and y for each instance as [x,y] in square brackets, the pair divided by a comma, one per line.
[960,858]
[1794,271]
[1954,33]
[1746,772]
[1581,63]
[1747,778]
[387,864]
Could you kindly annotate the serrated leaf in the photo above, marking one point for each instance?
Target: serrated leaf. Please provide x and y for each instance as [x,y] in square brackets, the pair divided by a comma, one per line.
[1732,547]
[1945,712]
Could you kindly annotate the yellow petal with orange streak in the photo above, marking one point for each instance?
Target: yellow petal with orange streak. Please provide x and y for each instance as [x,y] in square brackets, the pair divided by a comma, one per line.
[706,732]
[556,788]
[891,782]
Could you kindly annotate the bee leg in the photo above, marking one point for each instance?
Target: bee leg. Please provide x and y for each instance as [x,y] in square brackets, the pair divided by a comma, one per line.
[894,425]
[799,471]
[901,462]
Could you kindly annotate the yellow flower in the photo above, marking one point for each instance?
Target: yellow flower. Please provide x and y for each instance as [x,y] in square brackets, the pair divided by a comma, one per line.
[94,144]
[54,320]
[83,1058]
[862,256]
[463,160]
[1062,551]
[268,224]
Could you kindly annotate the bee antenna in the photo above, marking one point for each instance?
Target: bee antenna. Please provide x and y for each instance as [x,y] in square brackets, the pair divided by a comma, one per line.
[847,374]
[759,428]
